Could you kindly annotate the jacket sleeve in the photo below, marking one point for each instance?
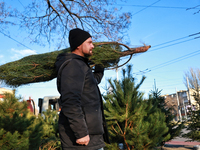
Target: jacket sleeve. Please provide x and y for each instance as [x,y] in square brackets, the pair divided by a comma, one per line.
[98,73]
[72,82]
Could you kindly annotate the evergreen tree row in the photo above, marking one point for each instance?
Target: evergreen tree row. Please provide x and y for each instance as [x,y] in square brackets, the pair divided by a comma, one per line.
[134,123]
[20,130]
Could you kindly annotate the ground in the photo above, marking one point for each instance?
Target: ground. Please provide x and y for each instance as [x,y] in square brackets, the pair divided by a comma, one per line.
[177,147]
[180,143]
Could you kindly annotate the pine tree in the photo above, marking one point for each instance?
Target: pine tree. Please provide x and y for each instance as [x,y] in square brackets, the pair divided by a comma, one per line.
[194,120]
[50,138]
[174,128]
[41,67]
[19,129]
[132,121]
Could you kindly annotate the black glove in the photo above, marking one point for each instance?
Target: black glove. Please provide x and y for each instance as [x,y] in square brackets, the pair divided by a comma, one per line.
[99,68]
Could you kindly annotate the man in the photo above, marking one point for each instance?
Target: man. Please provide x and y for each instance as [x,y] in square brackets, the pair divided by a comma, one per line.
[81,120]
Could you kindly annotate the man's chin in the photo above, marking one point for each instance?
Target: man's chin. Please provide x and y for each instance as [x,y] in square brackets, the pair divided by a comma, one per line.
[88,55]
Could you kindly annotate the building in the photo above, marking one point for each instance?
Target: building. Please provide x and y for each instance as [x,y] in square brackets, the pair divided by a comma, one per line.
[3,91]
[181,102]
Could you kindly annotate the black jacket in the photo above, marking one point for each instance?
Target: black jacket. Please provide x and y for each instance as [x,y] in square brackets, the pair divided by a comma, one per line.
[82,111]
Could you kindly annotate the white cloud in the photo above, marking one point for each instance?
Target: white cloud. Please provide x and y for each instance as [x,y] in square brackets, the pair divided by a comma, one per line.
[22,53]
[1,56]
[150,35]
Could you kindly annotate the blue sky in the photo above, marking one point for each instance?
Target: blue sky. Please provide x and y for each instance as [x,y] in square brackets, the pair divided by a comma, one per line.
[163,21]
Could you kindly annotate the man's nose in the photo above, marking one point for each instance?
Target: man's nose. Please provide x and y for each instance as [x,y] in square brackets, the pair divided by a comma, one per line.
[92,46]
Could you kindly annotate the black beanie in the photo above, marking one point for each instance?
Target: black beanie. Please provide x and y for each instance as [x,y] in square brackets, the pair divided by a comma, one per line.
[77,37]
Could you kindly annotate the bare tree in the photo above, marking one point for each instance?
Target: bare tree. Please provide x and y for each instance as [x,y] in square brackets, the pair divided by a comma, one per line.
[171,103]
[195,7]
[193,76]
[47,18]
[5,13]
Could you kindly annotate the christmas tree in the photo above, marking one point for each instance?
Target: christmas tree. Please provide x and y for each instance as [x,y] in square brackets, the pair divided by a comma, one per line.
[174,128]
[40,67]
[18,128]
[50,138]
[133,122]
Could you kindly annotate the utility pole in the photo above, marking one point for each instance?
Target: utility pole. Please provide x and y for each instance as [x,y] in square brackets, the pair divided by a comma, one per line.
[179,111]
[184,110]
[117,74]
[189,99]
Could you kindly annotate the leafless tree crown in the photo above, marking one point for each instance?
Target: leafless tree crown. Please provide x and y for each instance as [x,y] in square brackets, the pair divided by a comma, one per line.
[193,76]
[46,18]
[194,8]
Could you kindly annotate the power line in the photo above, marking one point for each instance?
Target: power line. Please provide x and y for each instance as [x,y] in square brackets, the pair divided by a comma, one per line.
[146,7]
[167,85]
[195,53]
[153,47]
[175,60]
[21,3]
[174,41]
[178,39]
[144,71]
[194,7]
[166,7]
[172,44]
[15,40]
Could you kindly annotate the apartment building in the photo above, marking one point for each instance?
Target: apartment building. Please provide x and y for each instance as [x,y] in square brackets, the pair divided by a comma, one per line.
[181,102]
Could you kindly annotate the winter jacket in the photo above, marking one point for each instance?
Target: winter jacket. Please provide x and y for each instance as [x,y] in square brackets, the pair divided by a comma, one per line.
[82,108]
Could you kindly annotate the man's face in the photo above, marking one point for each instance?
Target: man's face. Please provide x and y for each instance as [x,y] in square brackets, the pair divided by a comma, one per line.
[86,47]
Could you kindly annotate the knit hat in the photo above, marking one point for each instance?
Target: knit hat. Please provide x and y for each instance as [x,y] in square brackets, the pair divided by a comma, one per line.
[77,37]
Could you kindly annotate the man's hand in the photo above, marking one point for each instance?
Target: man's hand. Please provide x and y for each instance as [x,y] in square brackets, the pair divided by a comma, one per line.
[84,140]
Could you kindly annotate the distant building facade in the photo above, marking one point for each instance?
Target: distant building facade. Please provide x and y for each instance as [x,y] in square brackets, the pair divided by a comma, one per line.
[181,102]
[3,91]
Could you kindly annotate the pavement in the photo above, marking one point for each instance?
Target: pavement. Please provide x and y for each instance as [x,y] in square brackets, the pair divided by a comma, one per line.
[173,142]
[180,143]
